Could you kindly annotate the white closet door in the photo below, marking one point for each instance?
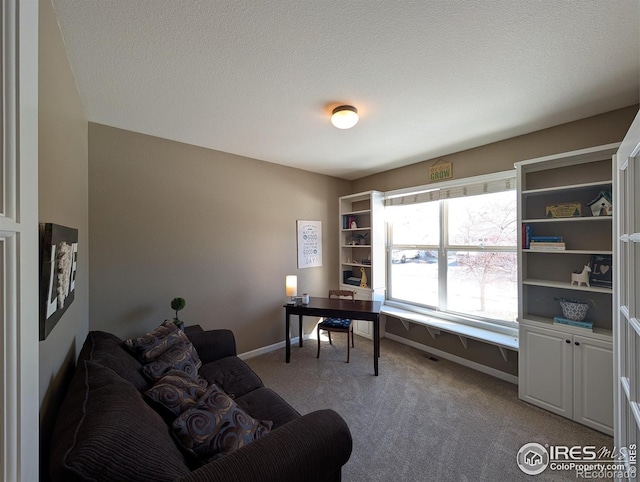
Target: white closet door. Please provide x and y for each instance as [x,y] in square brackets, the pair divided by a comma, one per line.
[627,306]
[19,241]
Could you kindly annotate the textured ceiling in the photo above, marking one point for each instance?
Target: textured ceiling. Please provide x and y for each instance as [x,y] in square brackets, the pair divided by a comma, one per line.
[429,77]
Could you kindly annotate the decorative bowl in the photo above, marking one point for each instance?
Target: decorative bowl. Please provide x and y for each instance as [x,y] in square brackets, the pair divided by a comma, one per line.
[574,310]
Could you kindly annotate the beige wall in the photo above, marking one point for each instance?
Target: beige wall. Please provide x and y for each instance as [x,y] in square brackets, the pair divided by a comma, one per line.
[499,156]
[170,219]
[63,199]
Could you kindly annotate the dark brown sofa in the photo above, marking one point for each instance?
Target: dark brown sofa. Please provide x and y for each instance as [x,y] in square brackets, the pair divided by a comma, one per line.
[106,430]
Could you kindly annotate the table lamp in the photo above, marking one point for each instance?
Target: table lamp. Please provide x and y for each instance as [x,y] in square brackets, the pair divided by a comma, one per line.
[291,286]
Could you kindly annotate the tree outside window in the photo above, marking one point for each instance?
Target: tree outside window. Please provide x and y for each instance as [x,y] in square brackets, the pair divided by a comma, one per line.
[469,268]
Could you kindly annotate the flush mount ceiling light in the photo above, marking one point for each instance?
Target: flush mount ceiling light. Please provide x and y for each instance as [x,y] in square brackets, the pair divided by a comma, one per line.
[344,117]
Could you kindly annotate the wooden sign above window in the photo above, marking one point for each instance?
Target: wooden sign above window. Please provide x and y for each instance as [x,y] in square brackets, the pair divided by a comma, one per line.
[441,170]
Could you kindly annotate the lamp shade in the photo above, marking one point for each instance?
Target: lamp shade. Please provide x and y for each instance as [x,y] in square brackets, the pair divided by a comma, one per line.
[344,117]
[291,285]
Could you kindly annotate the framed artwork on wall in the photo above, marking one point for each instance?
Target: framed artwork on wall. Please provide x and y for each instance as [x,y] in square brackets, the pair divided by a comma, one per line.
[309,243]
[58,265]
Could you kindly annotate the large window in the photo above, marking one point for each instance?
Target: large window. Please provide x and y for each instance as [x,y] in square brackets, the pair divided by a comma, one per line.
[453,249]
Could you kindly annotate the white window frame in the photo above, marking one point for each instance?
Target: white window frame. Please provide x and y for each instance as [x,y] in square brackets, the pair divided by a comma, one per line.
[441,191]
[19,370]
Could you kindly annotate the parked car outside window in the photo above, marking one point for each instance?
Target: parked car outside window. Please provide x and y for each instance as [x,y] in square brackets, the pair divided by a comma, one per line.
[402,255]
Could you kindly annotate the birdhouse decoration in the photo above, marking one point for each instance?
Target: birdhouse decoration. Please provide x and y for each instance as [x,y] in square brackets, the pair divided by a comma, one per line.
[602,204]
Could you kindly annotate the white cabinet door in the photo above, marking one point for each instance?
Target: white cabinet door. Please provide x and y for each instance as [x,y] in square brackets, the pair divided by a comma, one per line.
[363,328]
[546,369]
[571,375]
[593,383]
[360,327]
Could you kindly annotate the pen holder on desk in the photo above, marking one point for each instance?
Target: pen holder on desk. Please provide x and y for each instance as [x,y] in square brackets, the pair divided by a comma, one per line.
[305,298]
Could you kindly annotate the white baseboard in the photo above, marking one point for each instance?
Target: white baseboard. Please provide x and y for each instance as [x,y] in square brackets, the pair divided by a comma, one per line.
[269,348]
[454,358]
[434,351]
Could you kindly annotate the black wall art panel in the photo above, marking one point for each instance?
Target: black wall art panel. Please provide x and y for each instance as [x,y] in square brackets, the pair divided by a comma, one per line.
[58,264]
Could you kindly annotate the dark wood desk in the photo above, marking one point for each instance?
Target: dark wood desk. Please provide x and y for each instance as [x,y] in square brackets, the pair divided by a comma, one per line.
[337,308]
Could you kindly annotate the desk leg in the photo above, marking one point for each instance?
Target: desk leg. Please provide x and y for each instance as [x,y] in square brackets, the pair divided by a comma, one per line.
[376,344]
[287,337]
[300,329]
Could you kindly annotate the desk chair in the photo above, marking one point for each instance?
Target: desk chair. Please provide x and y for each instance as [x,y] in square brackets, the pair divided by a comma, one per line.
[340,325]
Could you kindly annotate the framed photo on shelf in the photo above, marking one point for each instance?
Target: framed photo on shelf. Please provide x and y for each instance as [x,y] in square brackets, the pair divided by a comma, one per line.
[563,210]
[601,268]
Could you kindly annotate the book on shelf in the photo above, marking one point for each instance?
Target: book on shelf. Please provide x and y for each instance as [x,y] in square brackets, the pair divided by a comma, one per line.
[546,239]
[528,237]
[547,246]
[351,222]
[527,231]
[587,325]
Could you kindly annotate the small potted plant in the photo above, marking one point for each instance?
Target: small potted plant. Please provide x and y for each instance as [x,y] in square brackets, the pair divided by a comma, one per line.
[177,304]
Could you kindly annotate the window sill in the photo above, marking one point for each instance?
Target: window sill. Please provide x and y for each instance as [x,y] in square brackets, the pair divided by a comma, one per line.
[503,338]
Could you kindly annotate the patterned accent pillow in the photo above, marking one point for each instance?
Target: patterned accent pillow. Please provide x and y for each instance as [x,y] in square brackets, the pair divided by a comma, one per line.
[177,338]
[150,346]
[216,426]
[180,356]
[176,391]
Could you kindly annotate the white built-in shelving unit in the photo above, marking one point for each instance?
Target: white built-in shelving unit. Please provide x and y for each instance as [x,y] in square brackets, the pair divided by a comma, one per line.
[565,369]
[362,249]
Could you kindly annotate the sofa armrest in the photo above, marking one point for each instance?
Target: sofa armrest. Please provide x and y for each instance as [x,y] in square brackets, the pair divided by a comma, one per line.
[311,448]
[212,345]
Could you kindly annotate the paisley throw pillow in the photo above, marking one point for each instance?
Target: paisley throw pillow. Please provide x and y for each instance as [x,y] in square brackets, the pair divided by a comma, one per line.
[180,356]
[177,391]
[216,426]
[151,345]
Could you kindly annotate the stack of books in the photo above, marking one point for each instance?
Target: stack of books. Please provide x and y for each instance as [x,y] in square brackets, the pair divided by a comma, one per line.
[587,325]
[546,243]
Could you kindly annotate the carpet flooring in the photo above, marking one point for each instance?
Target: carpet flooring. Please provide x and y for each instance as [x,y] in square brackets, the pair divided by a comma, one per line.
[421,419]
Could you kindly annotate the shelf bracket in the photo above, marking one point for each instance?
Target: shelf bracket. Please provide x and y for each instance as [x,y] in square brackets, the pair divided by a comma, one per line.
[503,350]
[433,332]
[463,340]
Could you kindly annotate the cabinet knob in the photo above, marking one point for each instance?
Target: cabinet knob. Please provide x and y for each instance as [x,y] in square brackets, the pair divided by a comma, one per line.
[567,341]
[577,343]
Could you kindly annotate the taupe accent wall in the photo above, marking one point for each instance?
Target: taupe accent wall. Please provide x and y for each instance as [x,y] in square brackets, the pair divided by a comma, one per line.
[170,219]
[499,156]
[63,184]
